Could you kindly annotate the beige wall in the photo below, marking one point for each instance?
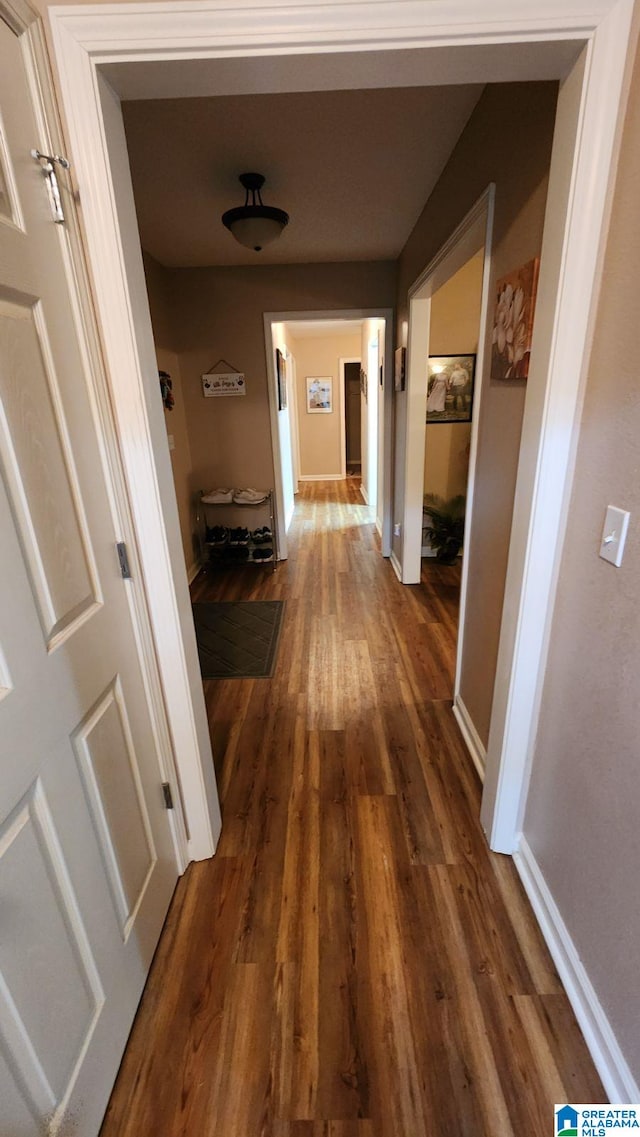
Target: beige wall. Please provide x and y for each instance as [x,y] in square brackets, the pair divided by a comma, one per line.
[219,313]
[508,141]
[453,330]
[175,420]
[320,434]
[584,799]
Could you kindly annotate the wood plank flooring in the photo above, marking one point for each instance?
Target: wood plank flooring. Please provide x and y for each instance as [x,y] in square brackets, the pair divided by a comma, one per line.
[353,962]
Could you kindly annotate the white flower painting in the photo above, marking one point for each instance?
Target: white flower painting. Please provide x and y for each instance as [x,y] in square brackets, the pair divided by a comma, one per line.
[513,322]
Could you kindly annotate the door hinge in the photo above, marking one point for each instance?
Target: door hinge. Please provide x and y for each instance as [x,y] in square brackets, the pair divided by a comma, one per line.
[168,796]
[47,165]
[124,560]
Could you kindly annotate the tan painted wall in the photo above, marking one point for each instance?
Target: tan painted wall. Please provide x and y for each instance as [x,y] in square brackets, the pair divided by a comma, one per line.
[175,420]
[219,313]
[508,141]
[584,799]
[454,327]
[320,434]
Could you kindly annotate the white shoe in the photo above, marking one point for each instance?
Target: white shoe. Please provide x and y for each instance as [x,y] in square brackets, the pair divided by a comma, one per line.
[218,497]
[249,497]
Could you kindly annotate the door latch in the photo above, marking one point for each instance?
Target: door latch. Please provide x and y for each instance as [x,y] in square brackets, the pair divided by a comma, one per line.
[47,164]
[124,560]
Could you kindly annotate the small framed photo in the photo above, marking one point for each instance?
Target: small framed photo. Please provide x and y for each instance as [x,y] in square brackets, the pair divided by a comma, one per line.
[400,360]
[319,394]
[281,376]
[450,388]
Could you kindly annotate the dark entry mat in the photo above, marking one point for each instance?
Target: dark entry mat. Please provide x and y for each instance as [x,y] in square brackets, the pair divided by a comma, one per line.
[238,639]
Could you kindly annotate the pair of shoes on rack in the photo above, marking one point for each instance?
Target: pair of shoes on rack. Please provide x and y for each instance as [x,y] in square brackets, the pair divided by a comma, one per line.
[217,535]
[239,536]
[220,496]
[238,553]
[262,536]
[263,554]
[249,497]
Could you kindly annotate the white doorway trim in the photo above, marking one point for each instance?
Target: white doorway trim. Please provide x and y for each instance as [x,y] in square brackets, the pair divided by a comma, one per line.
[474,232]
[85,36]
[384,437]
[292,376]
[343,409]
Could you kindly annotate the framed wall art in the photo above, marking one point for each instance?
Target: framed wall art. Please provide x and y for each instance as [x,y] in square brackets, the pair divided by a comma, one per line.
[281,377]
[400,360]
[513,322]
[450,388]
[319,394]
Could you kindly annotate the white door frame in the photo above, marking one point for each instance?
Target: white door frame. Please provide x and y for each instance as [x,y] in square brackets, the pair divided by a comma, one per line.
[292,379]
[84,36]
[343,410]
[474,232]
[384,436]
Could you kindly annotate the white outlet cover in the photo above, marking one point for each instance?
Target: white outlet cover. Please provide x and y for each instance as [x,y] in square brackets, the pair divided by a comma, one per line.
[614,533]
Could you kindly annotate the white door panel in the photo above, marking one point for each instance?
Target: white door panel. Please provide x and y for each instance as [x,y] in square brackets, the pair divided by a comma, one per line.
[87,866]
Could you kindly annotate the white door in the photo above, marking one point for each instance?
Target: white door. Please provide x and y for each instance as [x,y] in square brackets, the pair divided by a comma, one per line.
[87,866]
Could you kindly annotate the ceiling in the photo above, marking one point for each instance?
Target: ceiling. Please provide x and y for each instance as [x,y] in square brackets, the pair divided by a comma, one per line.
[351,144]
[352,168]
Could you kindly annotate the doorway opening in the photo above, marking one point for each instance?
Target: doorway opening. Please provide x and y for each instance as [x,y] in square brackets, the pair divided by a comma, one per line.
[350,379]
[89,44]
[447,333]
[307,357]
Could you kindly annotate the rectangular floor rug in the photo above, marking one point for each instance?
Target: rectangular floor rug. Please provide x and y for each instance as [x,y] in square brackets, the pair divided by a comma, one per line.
[238,639]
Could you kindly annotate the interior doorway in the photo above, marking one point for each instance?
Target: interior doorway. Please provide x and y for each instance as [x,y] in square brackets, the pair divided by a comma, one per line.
[86,43]
[309,432]
[453,403]
[352,417]
[444,464]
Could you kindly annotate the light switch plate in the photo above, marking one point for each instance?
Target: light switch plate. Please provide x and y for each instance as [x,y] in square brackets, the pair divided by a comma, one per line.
[614,534]
[171,442]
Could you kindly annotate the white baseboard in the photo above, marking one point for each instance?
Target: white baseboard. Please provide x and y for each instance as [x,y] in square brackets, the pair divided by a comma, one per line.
[602,1044]
[364,495]
[193,571]
[474,743]
[397,567]
[321,478]
[379,527]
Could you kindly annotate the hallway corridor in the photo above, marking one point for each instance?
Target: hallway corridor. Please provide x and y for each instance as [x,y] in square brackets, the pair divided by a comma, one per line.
[353,962]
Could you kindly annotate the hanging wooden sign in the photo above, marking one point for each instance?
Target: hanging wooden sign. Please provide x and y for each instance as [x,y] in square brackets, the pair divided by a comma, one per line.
[222,383]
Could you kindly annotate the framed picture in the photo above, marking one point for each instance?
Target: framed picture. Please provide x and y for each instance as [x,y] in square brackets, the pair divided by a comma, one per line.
[450,388]
[319,394]
[399,370]
[281,375]
[513,322]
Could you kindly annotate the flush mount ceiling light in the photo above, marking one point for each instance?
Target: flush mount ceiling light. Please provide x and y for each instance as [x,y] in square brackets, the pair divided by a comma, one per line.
[253,224]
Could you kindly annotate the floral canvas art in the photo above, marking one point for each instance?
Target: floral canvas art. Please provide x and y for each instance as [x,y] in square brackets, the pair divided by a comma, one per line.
[513,322]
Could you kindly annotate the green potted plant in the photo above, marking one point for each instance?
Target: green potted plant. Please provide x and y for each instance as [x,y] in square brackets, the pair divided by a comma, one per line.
[444,525]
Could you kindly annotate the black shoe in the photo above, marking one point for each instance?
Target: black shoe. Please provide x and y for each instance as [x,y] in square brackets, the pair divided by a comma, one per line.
[218,535]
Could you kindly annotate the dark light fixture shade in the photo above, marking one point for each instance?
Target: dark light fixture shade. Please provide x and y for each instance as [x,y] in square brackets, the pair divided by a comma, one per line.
[253,224]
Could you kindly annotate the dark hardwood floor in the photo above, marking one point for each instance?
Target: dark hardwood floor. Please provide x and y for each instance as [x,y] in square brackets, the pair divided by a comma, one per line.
[353,962]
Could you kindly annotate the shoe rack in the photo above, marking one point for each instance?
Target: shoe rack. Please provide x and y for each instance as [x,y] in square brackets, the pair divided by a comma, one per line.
[235,515]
